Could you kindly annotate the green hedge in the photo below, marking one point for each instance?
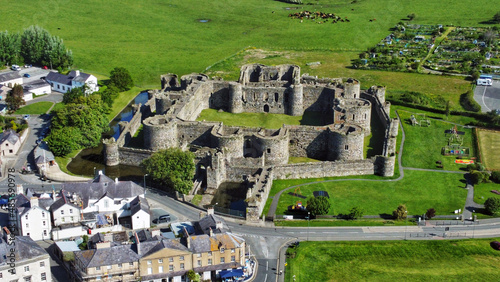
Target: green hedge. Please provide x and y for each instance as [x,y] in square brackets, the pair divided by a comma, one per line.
[467,101]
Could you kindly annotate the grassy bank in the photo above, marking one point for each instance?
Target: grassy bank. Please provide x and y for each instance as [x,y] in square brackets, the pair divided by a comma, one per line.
[453,260]
[35,109]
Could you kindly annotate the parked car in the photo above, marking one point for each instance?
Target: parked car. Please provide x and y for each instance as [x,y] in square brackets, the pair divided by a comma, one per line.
[162,219]
[45,68]
[26,117]
[27,75]
[15,67]
[27,66]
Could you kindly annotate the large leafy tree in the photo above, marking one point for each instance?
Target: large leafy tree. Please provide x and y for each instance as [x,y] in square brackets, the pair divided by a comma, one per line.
[492,205]
[172,167]
[72,95]
[15,99]
[120,77]
[10,48]
[318,205]
[400,213]
[85,119]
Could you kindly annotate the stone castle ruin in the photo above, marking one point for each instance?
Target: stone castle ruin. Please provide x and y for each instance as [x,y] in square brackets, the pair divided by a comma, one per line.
[257,156]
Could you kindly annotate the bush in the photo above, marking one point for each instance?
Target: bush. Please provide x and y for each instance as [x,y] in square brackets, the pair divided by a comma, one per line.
[430,213]
[468,103]
[400,213]
[356,213]
[478,177]
[495,176]
[492,205]
[318,205]
[121,79]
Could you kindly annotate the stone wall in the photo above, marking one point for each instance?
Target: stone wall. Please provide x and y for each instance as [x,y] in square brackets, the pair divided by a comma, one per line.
[133,156]
[308,141]
[324,169]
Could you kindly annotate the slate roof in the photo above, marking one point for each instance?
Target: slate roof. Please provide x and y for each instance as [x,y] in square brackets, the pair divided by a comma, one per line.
[138,204]
[25,249]
[107,256]
[66,79]
[206,243]
[9,76]
[101,186]
[35,85]
[9,135]
[39,153]
[210,221]
[61,202]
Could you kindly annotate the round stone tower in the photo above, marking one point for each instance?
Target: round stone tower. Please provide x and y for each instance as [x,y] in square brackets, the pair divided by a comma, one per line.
[352,88]
[160,132]
[296,106]
[235,98]
[346,143]
[163,103]
[228,139]
[378,91]
[273,145]
[110,150]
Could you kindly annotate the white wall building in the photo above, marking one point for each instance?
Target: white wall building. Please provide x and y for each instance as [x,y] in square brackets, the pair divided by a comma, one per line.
[10,79]
[64,83]
[31,216]
[64,212]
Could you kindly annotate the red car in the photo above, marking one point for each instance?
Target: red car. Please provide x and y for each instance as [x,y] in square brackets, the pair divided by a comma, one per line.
[45,68]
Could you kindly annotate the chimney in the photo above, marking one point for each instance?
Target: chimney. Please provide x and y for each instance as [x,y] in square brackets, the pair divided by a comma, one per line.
[210,211]
[116,180]
[137,243]
[211,232]
[218,225]
[155,232]
[77,73]
[103,245]
[5,233]
[34,202]
[19,189]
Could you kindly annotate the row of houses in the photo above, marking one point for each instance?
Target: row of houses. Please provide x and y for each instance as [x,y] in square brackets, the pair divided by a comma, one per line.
[54,81]
[149,256]
[80,207]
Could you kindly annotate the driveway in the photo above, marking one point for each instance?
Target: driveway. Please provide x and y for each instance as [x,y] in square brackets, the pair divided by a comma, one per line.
[488,96]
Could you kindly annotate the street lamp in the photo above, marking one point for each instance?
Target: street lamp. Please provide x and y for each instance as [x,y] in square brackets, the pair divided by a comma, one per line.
[473,224]
[145,183]
[308,219]
[406,223]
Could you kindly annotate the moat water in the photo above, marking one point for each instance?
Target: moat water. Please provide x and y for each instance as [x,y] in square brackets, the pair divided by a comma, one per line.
[231,195]
[92,159]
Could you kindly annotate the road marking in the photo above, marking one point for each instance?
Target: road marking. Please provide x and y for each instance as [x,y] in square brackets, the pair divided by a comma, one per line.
[267,265]
[484,91]
[330,232]
[265,279]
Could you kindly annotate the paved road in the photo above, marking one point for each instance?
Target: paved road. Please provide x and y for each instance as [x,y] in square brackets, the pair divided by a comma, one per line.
[488,96]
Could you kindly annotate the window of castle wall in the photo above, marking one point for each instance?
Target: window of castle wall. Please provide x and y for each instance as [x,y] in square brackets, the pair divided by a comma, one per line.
[265,97]
[346,147]
[276,96]
[266,108]
[353,117]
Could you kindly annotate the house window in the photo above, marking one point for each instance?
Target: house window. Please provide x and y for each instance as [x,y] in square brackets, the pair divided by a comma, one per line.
[149,262]
[199,262]
[63,219]
[120,265]
[43,223]
[42,264]
[347,147]
[171,259]
[110,276]
[131,263]
[27,279]
[160,261]
[43,276]
[71,218]
[222,260]
[58,86]
[26,268]
[97,268]
[98,278]
[106,204]
[232,251]
[26,217]
[11,151]
[70,210]
[209,261]
[1,275]
[182,266]
[62,211]
[171,268]
[210,253]
[233,258]
[43,214]
[160,269]
[198,255]
[181,258]
[27,225]
[222,250]
[150,270]
[44,232]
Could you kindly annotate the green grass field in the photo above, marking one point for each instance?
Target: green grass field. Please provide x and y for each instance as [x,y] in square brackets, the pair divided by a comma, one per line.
[153,37]
[483,192]
[419,190]
[489,145]
[423,144]
[448,260]
[35,109]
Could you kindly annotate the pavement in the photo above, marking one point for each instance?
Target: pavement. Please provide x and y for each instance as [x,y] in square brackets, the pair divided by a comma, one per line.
[488,96]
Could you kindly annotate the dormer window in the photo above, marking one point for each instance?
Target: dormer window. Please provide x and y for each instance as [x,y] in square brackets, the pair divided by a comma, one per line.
[222,250]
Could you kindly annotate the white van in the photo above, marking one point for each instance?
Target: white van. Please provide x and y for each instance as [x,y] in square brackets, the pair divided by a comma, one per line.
[484,81]
[15,67]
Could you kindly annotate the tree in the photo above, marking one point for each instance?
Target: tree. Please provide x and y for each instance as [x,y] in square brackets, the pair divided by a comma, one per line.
[120,77]
[400,213]
[15,98]
[496,17]
[172,167]
[492,205]
[478,177]
[318,205]
[193,276]
[63,141]
[109,94]
[356,213]
[72,95]
[430,213]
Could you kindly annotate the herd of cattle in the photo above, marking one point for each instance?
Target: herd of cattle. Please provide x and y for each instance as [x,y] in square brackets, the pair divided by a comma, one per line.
[320,16]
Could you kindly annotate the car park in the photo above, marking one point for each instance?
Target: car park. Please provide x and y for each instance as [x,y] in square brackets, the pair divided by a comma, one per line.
[162,219]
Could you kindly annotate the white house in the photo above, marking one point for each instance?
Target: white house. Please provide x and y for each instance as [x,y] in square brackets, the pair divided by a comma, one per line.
[36,88]
[10,79]
[31,261]
[31,216]
[10,142]
[64,212]
[136,215]
[64,83]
